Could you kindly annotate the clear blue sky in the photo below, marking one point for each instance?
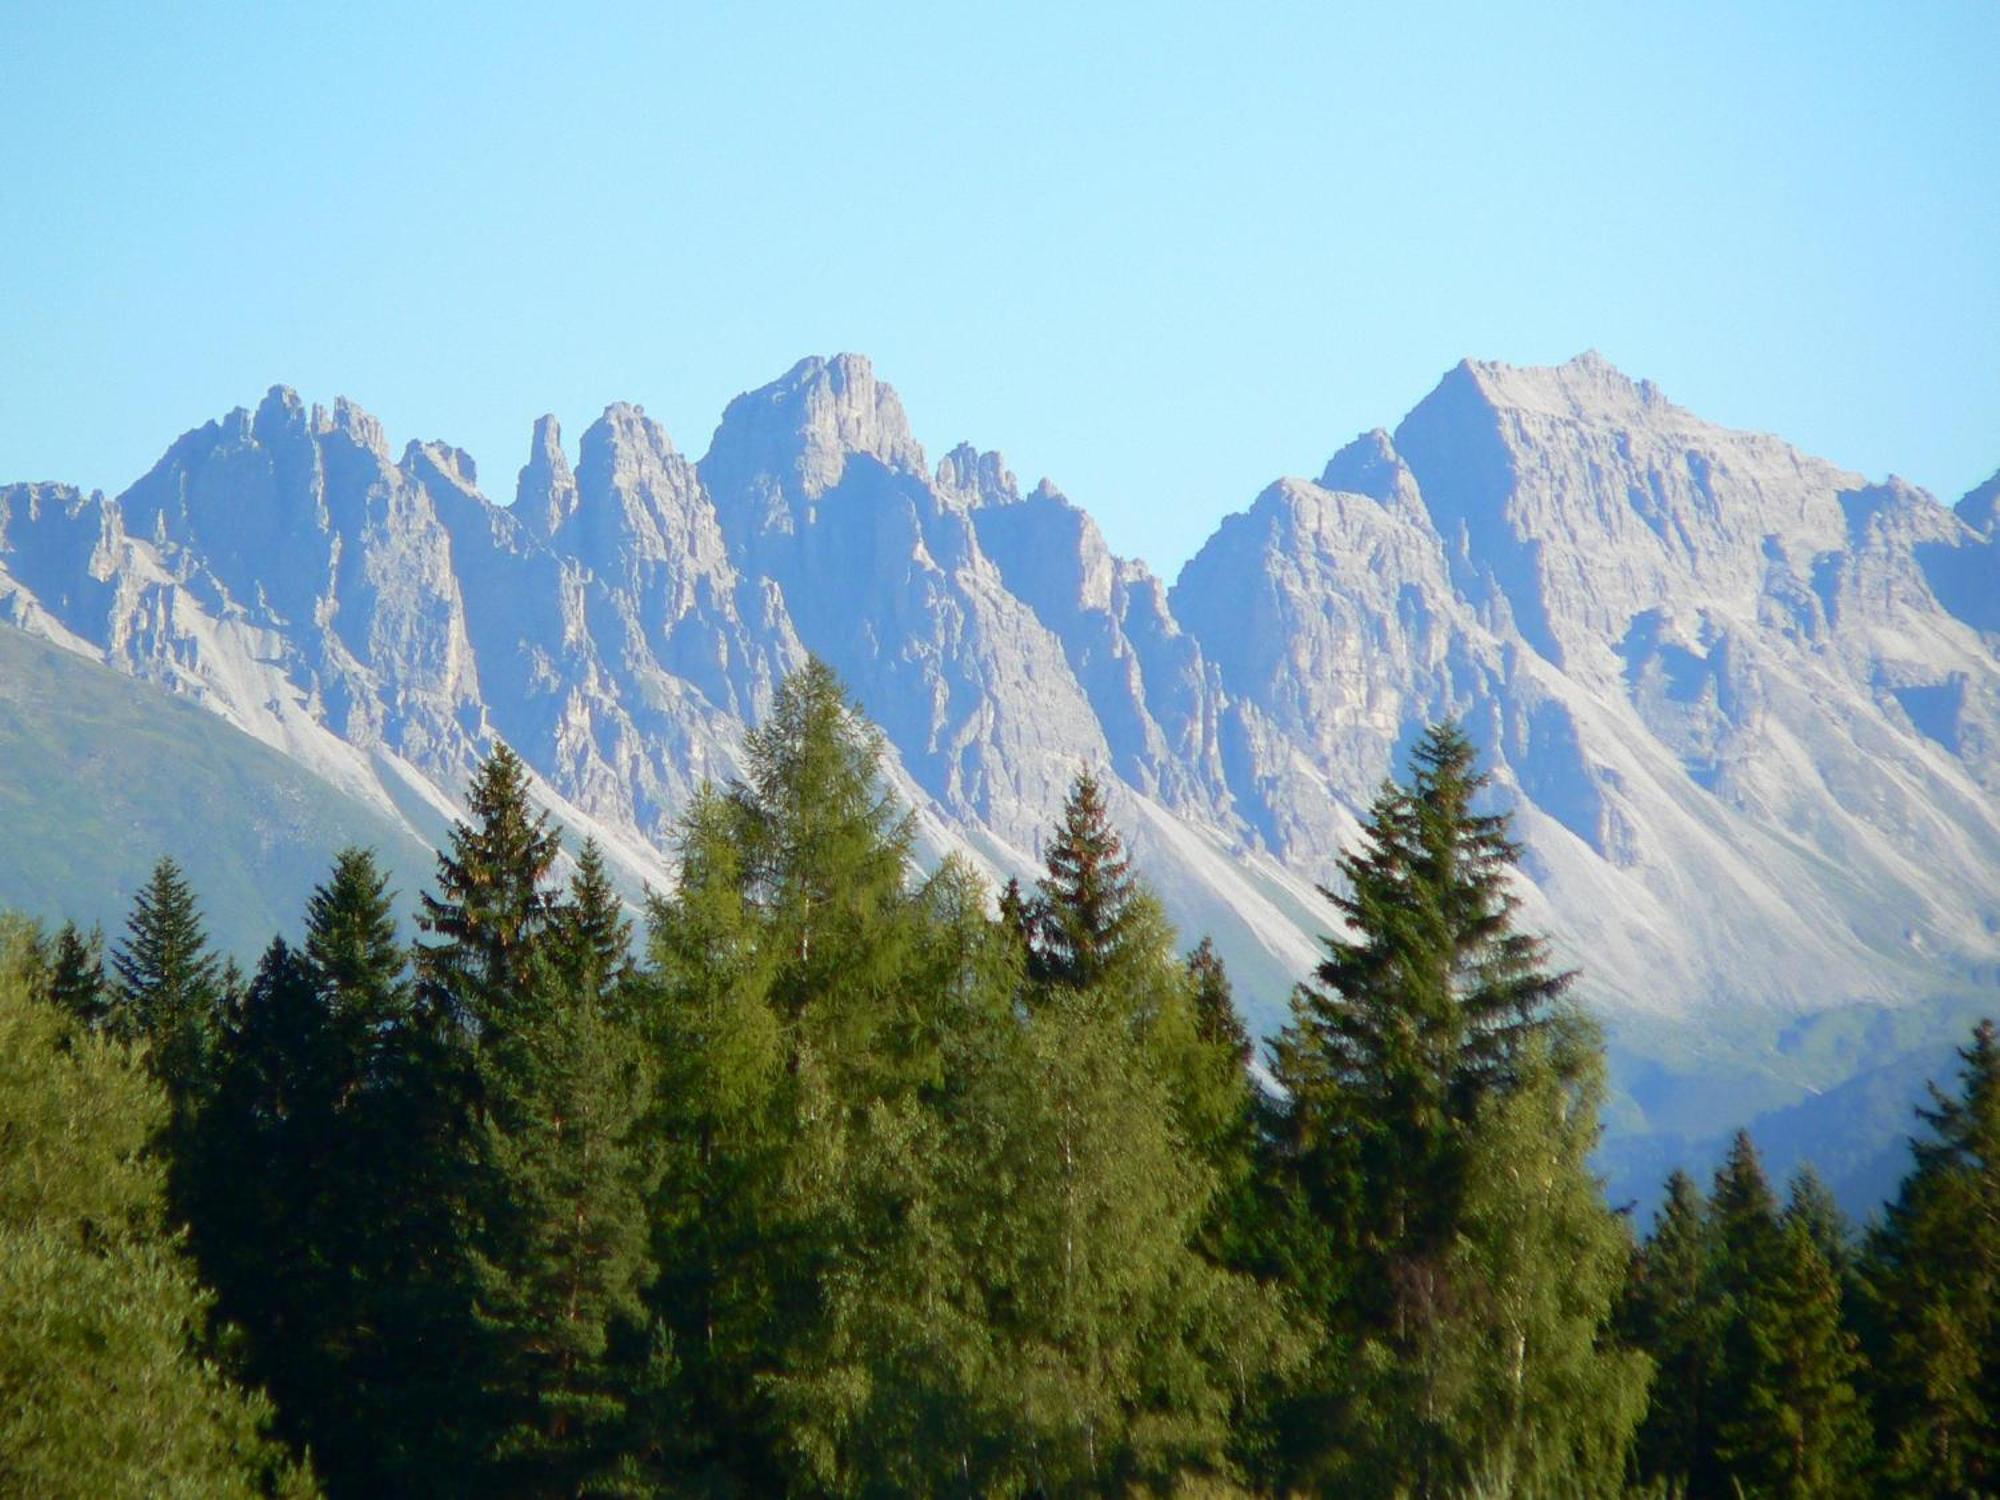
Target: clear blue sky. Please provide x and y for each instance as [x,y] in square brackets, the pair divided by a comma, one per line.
[1160,255]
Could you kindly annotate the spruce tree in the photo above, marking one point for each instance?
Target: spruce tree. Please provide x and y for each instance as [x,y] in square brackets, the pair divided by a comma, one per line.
[1086,910]
[593,932]
[76,980]
[255,1166]
[390,1411]
[1216,1015]
[1810,1202]
[560,1252]
[1788,1421]
[1931,1279]
[492,907]
[1098,932]
[170,987]
[1670,1314]
[1418,1014]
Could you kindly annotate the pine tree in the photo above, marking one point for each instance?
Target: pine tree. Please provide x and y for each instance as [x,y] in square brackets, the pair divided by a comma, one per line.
[171,987]
[1669,1314]
[76,977]
[1931,1279]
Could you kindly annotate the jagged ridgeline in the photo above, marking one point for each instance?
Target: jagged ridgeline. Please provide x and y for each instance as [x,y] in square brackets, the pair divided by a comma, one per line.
[1745,704]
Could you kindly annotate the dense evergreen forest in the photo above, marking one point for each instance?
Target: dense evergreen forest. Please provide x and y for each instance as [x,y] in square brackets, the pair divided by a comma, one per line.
[830,1181]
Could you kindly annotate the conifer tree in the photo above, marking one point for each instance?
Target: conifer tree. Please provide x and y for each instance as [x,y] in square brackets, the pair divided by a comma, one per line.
[549,1241]
[76,976]
[826,851]
[389,1411]
[1416,1017]
[720,1058]
[560,1252]
[170,988]
[1932,1288]
[593,932]
[1787,1419]
[1086,910]
[1669,1314]
[1810,1202]
[492,907]
[1098,932]
[1216,1016]
[254,1167]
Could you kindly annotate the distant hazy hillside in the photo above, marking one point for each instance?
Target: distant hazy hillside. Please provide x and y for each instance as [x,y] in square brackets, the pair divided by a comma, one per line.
[100,775]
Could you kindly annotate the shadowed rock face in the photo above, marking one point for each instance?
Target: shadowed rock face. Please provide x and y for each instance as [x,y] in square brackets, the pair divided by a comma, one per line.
[1746,704]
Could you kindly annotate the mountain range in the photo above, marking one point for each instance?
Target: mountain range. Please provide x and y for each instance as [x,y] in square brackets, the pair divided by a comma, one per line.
[1744,704]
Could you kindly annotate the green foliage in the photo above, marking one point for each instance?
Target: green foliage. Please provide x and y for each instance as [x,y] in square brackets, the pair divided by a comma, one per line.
[1421,1013]
[852,1189]
[1538,1265]
[170,987]
[492,906]
[560,1252]
[100,1394]
[1932,1280]
[1788,1421]
[1086,913]
[1669,1313]
[76,980]
[1217,1020]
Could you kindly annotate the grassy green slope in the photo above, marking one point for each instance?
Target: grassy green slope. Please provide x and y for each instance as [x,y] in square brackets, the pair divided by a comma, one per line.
[100,775]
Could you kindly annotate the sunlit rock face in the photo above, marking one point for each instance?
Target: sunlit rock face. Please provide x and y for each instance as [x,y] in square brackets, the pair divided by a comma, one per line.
[1745,704]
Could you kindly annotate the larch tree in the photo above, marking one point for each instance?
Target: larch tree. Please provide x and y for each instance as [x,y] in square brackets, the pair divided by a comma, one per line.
[102,1391]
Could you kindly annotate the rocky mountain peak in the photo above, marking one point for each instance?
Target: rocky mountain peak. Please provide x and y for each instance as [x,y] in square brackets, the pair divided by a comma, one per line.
[451,464]
[348,421]
[981,478]
[625,437]
[798,433]
[1980,509]
[1371,466]
[545,493]
[1588,387]
[279,414]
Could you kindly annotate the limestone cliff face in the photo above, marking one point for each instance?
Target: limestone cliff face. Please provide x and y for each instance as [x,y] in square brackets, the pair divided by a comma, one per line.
[1746,704]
